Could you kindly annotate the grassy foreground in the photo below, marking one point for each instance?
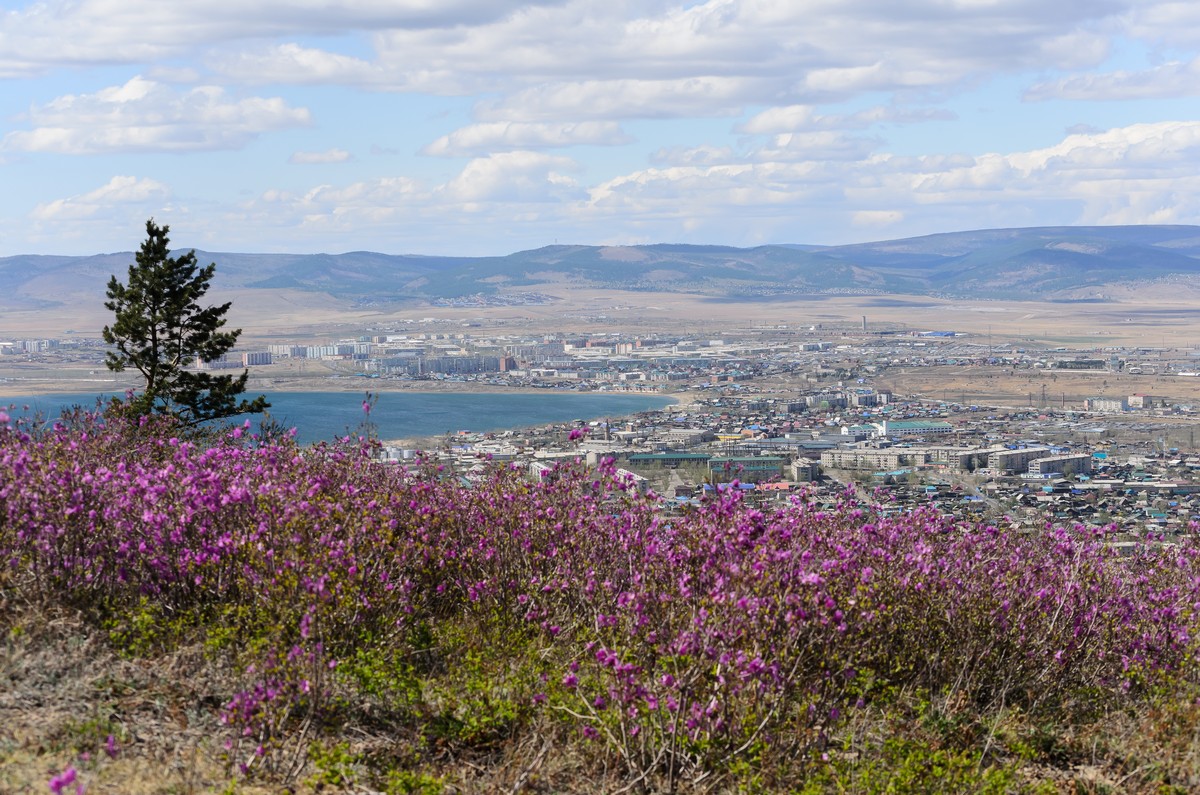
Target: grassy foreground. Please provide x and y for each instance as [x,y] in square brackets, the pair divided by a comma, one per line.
[242,615]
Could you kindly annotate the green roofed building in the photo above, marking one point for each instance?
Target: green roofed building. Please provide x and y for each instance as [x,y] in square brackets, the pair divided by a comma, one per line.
[667,459]
[748,469]
[914,427]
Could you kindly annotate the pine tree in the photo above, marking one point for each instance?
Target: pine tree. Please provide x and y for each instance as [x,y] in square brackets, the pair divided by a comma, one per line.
[161,329]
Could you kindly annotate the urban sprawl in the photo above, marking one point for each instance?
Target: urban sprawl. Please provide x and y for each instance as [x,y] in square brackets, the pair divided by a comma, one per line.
[778,411]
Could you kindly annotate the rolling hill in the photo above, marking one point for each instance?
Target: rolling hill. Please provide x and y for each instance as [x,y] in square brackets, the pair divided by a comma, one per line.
[1050,263]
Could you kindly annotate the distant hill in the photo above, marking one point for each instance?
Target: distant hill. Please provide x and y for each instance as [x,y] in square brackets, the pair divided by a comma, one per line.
[1051,263]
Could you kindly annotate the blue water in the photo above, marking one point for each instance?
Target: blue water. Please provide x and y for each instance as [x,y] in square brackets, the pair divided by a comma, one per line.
[323,416]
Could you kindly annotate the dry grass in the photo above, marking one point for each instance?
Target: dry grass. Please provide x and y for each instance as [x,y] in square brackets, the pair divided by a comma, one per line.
[63,691]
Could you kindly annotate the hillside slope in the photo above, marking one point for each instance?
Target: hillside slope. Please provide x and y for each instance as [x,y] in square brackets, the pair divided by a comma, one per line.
[1053,263]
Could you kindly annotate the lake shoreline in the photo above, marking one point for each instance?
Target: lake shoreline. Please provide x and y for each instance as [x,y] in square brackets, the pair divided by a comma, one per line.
[402,417]
[34,386]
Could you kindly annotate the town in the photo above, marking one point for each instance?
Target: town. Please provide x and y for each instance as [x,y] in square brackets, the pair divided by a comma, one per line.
[1014,434]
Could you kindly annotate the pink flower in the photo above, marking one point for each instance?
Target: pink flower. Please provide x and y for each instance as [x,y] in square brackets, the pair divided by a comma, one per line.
[64,780]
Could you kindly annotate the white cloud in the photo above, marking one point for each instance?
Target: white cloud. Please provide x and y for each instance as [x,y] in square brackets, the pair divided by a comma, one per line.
[781,119]
[1134,174]
[1126,151]
[569,38]
[119,192]
[487,137]
[318,158]
[692,156]
[626,99]
[383,191]
[1172,79]
[795,118]
[326,213]
[815,146]
[143,115]
[820,88]
[599,59]
[48,33]
[489,190]
[514,177]
[291,63]
[1175,23]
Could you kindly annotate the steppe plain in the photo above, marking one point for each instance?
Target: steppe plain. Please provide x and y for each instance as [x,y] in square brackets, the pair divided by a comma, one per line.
[1161,316]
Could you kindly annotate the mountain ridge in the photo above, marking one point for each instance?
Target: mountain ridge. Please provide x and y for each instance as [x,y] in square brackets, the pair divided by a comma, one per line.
[1050,263]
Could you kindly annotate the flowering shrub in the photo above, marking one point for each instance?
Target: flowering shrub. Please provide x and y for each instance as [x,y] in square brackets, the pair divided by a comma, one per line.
[683,648]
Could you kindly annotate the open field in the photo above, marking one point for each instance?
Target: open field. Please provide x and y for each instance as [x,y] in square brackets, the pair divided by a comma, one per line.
[1146,318]
[1150,315]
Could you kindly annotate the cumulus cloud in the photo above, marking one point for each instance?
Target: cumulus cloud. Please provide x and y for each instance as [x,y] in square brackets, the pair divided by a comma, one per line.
[358,196]
[796,118]
[320,158]
[1134,174]
[595,59]
[1174,23]
[726,38]
[49,33]
[329,215]
[143,115]
[492,203]
[1173,79]
[121,191]
[626,99]
[815,146]
[487,190]
[804,96]
[692,156]
[291,63]
[501,136]
[514,177]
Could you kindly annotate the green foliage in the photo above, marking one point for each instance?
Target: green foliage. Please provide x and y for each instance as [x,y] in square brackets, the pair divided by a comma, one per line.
[382,674]
[160,329]
[145,628]
[487,700]
[909,765]
[336,765]
[407,782]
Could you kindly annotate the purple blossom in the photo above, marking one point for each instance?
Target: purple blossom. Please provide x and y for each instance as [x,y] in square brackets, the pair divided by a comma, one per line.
[695,624]
[64,780]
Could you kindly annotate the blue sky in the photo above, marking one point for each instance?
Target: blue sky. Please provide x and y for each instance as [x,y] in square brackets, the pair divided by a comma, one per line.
[480,127]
